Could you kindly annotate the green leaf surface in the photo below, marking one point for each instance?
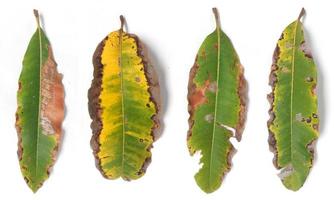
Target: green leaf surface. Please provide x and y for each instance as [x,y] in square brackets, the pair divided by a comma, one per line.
[40,110]
[293,125]
[216,96]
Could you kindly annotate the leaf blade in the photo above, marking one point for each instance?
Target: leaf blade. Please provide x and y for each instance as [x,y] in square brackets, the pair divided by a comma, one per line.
[216,99]
[293,126]
[128,98]
[38,131]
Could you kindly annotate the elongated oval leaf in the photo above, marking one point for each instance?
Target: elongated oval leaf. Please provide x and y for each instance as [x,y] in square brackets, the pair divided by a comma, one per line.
[293,125]
[40,110]
[216,96]
[124,103]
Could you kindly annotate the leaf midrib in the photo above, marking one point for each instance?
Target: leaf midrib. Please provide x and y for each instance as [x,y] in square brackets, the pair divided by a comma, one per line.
[39,98]
[122,97]
[216,100]
[292,89]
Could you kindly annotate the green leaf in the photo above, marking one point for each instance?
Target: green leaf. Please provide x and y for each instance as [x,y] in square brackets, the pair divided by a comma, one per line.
[40,111]
[124,104]
[293,125]
[216,96]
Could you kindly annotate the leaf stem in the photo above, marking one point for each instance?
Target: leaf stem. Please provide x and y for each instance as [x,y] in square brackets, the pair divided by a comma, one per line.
[215,12]
[301,14]
[37,17]
[122,21]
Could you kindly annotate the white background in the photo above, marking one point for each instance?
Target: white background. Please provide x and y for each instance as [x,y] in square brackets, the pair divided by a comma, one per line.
[173,30]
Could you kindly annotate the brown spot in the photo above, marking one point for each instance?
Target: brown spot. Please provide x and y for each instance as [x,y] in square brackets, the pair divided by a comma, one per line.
[309,79]
[270,98]
[288,45]
[306,50]
[314,115]
[19,132]
[308,120]
[20,85]
[286,171]
[232,151]
[216,46]
[213,87]
[242,92]
[285,70]
[315,127]
[313,89]
[137,79]
[203,54]
[197,95]
[311,147]
[299,117]
[208,118]
[272,147]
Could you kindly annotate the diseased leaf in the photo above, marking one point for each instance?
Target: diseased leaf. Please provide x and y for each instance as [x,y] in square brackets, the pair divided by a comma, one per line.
[40,111]
[293,123]
[217,102]
[124,104]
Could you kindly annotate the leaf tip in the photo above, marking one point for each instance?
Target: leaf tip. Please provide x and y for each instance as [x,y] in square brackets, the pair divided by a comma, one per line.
[301,14]
[34,187]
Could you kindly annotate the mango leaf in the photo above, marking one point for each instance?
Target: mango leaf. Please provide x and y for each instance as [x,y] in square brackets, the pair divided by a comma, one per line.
[217,103]
[293,123]
[40,111]
[124,104]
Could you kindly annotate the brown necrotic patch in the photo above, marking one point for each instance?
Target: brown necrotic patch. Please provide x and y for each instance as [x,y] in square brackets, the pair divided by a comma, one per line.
[271,98]
[306,50]
[94,105]
[197,97]
[52,98]
[242,92]
[191,93]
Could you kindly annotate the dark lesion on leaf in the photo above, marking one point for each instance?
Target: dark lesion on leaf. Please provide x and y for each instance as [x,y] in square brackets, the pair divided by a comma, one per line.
[242,92]
[306,50]
[192,90]
[196,95]
[94,106]
[311,149]
[19,132]
[18,124]
[271,98]
[203,54]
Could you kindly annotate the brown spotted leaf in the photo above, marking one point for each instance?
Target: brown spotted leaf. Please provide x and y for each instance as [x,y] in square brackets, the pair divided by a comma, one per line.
[40,111]
[293,125]
[216,96]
